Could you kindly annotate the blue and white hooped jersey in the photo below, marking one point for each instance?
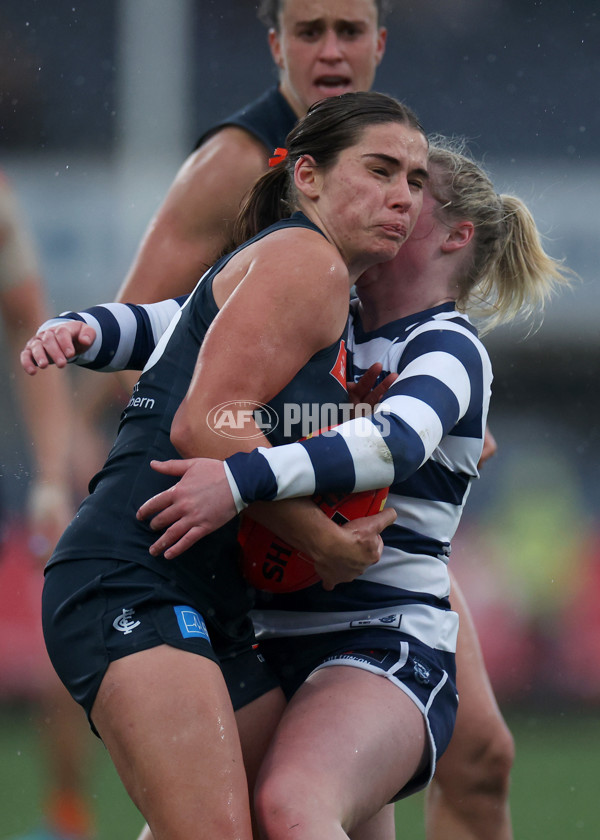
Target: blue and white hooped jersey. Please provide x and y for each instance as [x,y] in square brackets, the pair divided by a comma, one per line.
[424,442]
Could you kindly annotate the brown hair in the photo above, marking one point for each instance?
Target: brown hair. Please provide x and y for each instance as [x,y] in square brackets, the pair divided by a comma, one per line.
[510,274]
[269,11]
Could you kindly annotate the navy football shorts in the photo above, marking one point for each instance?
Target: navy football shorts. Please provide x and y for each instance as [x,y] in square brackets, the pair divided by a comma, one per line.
[97,611]
[426,675]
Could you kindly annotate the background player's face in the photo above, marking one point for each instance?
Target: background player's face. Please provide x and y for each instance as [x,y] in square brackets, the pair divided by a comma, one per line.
[326,48]
[369,200]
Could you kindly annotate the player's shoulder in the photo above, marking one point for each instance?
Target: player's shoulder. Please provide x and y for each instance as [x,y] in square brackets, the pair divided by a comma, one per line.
[442,324]
[231,148]
[449,332]
[212,181]
[304,251]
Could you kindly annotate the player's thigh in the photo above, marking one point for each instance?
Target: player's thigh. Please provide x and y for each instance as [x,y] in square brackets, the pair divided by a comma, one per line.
[256,724]
[166,718]
[349,740]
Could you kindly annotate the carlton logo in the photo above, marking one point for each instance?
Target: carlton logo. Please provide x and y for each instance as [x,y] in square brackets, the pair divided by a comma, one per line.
[125,623]
[230,419]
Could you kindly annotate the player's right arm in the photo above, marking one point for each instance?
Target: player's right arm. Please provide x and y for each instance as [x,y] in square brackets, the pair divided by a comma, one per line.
[192,226]
[107,337]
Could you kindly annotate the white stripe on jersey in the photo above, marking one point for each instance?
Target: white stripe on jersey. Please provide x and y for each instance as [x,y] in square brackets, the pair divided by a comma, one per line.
[368,448]
[436,628]
[460,454]
[444,367]
[416,572]
[428,516]
[127,330]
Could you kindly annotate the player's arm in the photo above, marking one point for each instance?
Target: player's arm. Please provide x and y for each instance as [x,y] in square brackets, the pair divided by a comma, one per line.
[445,374]
[107,337]
[192,226]
[291,303]
[46,411]
[441,373]
[339,553]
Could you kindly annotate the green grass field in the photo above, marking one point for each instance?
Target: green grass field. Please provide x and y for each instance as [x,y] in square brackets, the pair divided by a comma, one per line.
[555,781]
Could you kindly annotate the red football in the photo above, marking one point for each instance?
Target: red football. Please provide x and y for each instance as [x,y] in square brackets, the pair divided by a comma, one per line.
[270,564]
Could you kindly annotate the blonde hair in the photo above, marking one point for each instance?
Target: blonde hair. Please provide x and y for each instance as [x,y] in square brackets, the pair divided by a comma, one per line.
[510,274]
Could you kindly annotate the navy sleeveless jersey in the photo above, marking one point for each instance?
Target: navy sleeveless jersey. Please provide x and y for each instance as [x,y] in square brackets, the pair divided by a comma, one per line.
[105,526]
[269,118]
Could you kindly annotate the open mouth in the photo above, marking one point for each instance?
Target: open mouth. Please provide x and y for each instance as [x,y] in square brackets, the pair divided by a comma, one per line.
[333,82]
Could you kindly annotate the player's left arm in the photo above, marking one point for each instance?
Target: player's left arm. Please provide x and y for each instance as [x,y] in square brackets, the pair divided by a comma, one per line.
[444,374]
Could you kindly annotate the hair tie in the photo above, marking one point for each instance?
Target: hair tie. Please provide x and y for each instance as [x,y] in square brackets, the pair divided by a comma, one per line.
[278,155]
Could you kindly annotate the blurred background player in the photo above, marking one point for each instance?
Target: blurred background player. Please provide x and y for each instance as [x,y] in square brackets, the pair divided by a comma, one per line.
[45,411]
[321,48]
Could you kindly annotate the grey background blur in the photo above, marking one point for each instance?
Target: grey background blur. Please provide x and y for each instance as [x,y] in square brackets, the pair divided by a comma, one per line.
[101,102]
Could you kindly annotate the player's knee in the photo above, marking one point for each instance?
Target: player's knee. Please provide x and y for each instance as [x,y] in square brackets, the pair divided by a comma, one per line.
[499,760]
[282,800]
[495,763]
[482,767]
[273,805]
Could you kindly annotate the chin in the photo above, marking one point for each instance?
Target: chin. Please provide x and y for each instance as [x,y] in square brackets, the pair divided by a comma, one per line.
[389,252]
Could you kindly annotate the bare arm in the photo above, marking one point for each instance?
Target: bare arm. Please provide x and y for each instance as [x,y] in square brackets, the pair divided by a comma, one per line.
[45,405]
[192,225]
[291,303]
[339,553]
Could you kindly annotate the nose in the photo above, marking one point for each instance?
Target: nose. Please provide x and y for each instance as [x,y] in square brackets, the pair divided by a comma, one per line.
[331,49]
[401,196]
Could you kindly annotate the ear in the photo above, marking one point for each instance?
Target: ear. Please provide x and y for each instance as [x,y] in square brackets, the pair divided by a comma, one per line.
[307,177]
[275,47]
[458,237]
[380,46]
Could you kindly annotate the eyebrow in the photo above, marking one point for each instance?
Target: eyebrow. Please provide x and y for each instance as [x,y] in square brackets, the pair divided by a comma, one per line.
[418,170]
[336,22]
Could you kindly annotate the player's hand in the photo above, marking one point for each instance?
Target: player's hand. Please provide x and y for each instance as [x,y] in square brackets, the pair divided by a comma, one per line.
[365,391]
[490,447]
[56,345]
[199,503]
[354,547]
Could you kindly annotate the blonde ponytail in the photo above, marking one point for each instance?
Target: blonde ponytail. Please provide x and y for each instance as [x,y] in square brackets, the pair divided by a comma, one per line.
[510,275]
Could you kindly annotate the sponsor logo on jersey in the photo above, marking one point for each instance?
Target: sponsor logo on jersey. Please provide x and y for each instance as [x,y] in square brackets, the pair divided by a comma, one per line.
[393,620]
[138,401]
[125,623]
[340,368]
[191,623]
[230,418]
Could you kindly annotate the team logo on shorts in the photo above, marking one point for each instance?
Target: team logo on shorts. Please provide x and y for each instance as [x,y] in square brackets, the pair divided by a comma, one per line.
[421,672]
[124,623]
[191,623]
